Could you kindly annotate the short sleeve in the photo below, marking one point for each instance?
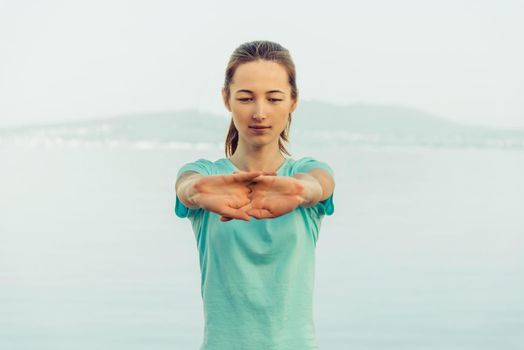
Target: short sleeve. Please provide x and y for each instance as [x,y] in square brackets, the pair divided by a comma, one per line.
[201,166]
[306,164]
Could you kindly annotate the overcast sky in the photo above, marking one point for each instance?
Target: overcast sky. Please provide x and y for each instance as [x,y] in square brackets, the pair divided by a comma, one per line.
[70,60]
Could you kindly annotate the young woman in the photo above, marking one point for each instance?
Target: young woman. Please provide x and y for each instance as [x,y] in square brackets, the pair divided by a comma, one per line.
[257,274]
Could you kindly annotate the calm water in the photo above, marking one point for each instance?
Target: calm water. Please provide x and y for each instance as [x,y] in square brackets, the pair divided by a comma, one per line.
[424,251]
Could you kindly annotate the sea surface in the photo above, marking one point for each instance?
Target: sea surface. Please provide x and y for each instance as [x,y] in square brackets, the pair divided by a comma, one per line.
[425,249]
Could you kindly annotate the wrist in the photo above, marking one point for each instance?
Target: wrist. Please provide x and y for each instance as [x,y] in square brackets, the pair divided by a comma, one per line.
[312,192]
[192,192]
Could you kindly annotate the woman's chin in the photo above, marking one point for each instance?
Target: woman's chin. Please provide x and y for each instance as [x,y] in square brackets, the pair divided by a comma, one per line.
[260,141]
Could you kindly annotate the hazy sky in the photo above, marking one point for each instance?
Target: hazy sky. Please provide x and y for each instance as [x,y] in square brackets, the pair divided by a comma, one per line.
[69,60]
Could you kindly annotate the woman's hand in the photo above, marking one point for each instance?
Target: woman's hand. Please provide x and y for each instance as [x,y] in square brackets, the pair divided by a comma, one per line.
[273,196]
[226,194]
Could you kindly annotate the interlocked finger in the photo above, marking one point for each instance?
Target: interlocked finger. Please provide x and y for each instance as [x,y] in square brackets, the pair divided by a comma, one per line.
[245,209]
[249,178]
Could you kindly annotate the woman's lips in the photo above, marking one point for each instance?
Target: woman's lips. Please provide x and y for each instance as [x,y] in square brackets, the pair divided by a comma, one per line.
[258,127]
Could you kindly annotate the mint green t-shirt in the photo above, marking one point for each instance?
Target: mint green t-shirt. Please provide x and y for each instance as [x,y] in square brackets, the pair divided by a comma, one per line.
[257,277]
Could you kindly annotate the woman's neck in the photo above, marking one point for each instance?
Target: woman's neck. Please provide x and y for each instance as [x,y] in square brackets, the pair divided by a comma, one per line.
[264,160]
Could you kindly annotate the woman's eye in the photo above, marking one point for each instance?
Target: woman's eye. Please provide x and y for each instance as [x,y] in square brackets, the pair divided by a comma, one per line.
[249,98]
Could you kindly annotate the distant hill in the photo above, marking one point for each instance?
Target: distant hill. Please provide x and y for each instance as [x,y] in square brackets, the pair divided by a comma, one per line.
[314,123]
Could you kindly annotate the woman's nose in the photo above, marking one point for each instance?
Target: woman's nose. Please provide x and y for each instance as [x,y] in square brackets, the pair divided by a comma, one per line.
[259,113]
[258,116]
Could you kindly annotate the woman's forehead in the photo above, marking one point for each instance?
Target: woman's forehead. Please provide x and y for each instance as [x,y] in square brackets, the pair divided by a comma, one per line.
[264,77]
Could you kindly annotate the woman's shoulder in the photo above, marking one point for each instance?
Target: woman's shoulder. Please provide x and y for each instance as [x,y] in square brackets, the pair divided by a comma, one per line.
[307,163]
[208,167]
[201,165]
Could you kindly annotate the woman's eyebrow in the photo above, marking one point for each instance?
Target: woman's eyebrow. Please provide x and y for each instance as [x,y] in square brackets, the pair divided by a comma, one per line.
[268,92]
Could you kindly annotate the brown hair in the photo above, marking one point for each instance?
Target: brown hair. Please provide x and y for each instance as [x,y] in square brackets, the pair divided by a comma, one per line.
[253,51]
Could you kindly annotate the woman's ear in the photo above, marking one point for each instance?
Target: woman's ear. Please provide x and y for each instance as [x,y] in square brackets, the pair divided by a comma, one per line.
[226,102]
[294,104]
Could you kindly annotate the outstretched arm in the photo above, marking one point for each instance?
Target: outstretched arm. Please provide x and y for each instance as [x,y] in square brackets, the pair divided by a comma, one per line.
[185,188]
[318,186]
[273,196]
[224,194]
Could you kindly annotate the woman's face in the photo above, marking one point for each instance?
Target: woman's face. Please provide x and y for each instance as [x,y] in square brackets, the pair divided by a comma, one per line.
[260,95]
